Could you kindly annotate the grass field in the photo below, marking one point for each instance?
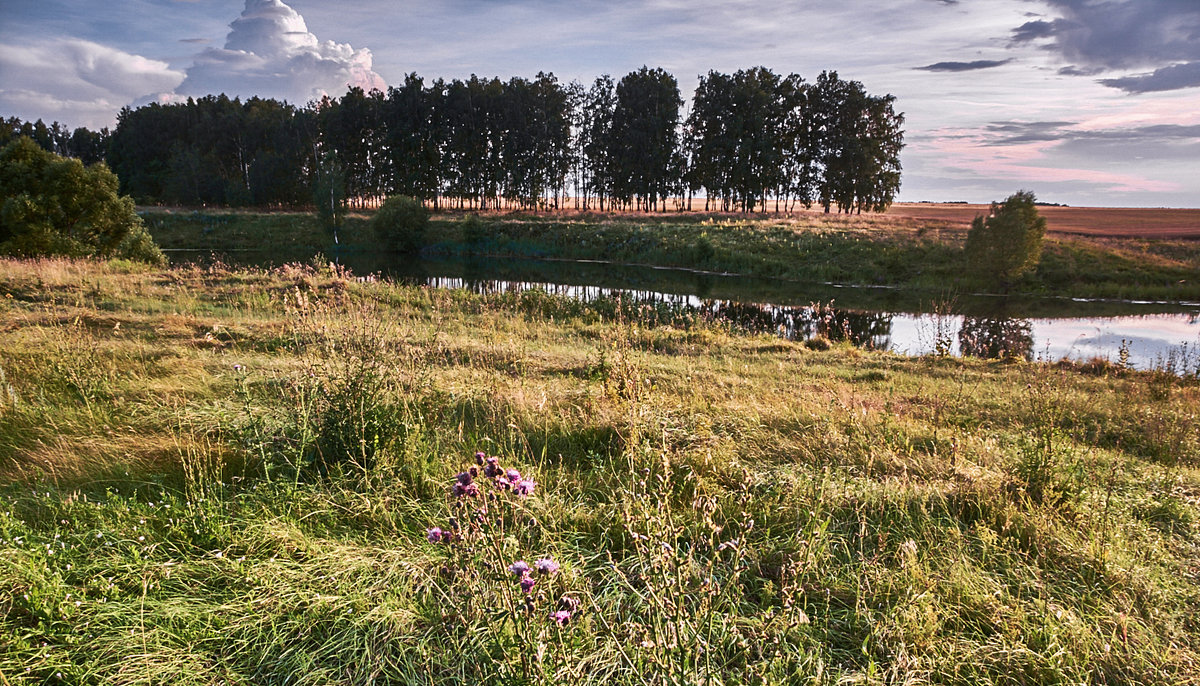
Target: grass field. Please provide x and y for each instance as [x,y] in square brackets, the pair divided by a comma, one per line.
[226,476]
[919,254]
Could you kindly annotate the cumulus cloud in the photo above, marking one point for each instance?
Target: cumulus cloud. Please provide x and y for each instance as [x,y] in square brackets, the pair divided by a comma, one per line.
[963,66]
[270,52]
[1162,36]
[78,82]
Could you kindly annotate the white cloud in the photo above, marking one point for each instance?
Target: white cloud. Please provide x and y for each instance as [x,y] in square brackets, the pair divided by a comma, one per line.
[77,82]
[270,52]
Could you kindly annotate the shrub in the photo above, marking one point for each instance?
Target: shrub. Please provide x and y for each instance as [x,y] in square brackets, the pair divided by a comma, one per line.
[51,205]
[1005,245]
[473,230]
[400,224]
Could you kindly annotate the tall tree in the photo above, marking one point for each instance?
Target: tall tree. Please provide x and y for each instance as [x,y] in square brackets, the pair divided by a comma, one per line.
[644,140]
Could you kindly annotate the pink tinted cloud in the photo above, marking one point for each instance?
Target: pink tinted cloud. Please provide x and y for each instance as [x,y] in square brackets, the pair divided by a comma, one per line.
[969,150]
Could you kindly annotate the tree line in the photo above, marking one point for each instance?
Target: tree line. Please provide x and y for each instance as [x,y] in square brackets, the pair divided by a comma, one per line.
[750,141]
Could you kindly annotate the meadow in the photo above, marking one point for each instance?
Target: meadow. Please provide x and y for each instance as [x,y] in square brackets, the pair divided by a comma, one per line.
[915,253]
[218,475]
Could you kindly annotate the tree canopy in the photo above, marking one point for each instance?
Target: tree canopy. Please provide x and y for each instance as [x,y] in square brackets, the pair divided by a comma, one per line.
[1007,244]
[751,137]
[51,205]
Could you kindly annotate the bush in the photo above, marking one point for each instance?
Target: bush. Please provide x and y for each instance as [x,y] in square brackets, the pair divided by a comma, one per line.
[1005,245]
[400,224]
[51,205]
[473,230]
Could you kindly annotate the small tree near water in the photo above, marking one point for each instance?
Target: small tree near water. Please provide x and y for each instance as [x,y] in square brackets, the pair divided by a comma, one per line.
[1007,243]
[400,224]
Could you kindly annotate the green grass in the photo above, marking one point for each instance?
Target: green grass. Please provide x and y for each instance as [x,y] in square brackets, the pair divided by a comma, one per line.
[215,475]
[917,255]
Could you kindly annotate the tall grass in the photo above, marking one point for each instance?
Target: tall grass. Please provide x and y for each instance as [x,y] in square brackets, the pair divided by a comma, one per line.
[238,484]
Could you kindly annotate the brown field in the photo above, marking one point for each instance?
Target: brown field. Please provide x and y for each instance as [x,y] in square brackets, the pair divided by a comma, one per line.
[1117,222]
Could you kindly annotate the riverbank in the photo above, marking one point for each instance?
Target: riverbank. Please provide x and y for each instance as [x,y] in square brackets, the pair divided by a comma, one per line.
[875,250]
[216,474]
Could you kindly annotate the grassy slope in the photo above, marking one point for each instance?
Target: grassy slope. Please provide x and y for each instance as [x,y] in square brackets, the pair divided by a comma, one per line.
[866,250]
[946,520]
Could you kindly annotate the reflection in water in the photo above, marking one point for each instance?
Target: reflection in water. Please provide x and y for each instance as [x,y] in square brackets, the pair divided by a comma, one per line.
[996,337]
[870,330]
[1146,335]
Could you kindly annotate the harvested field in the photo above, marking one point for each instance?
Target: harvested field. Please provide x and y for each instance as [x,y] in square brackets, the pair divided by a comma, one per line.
[1115,222]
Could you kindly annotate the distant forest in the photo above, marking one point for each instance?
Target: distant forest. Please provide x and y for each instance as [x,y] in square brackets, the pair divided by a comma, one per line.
[751,140]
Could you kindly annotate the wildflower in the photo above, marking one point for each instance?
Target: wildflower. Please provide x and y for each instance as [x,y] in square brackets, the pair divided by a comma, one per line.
[470,490]
[435,534]
[519,568]
[238,367]
[525,487]
[513,476]
[480,457]
[547,566]
[527,583]
[465,478]
[491,467]
[561,617]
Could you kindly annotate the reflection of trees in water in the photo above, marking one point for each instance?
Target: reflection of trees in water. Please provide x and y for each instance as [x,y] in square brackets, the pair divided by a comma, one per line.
[865,329]
[996,337]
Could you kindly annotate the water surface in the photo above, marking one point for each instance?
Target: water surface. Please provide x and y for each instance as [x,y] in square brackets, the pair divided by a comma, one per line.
[1141,334]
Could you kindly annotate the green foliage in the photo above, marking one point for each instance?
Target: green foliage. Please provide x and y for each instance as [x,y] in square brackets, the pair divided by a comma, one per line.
[474,231]
[400,224]
[1007,244]
[868,518]
[57,206]
[329,193]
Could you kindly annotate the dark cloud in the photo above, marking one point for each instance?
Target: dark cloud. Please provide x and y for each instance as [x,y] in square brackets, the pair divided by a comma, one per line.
[1166,79]
[1033,30]
[1080,71]
[1111,35]
[1016,132]
[963,66]
[1002,133]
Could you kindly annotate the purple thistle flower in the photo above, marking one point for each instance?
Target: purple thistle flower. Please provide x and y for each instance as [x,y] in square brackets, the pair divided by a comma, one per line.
[525,487]
[480,457]
[491,467]
[546,565]
[561,617]
[465,478]
[527,583]
[435,535]
[469,490]
[513,476]
[520,568]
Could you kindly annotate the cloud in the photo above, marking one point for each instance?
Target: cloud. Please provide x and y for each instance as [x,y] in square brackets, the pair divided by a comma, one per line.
[1020,132]
[1120,35]
[270,52]
[1174,77]
[76,81]
[963,66]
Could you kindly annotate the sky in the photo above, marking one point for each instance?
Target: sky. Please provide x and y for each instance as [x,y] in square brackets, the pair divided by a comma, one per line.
[1084,102]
